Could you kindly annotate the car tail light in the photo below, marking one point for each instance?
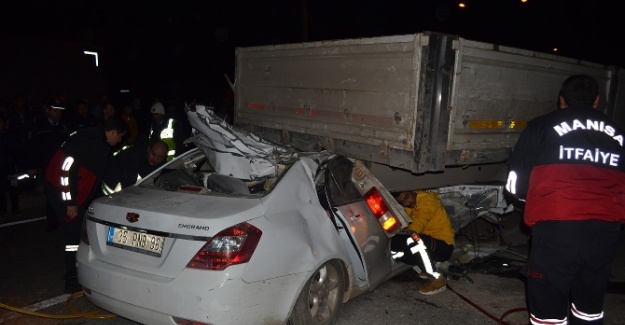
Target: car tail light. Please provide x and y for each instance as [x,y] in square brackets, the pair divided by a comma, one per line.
[234,245]
[380,210]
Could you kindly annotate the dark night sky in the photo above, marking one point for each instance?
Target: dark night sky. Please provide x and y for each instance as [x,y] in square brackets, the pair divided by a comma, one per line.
[168,47]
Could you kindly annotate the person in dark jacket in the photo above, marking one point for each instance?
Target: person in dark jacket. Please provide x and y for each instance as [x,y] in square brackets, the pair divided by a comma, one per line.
[568,166]
[49,134]
[9,153]
[72,178]
[81,118]
[132,164]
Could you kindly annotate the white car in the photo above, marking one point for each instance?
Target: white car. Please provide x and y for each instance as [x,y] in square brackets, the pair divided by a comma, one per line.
[240,231]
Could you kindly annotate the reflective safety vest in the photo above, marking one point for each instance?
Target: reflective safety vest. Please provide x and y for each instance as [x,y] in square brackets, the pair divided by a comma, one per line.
[167,135]
[108,190]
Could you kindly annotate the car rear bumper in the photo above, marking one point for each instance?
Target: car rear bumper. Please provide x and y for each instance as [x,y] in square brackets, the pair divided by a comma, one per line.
[213,297]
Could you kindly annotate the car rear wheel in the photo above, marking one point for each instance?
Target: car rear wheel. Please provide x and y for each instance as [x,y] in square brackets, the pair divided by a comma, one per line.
[321,299]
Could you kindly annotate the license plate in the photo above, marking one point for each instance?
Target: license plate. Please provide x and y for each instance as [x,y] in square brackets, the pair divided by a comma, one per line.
[135,241]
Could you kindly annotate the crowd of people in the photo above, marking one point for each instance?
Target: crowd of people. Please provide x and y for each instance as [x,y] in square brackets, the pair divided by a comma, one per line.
[30,136]
[77,152]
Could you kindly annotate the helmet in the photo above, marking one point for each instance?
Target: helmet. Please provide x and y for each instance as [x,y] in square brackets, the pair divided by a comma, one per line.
[158,108]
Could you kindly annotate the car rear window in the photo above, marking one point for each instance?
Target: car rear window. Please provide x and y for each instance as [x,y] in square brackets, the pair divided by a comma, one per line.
[192,173]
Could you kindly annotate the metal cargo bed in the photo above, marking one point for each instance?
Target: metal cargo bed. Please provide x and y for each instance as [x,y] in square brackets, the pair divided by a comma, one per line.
[417,102]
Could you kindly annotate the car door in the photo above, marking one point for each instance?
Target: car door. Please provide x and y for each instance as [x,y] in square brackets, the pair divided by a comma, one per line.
[362,235]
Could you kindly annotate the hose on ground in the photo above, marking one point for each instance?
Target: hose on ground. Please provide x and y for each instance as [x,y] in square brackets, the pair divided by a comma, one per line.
[499,320]
[95,314]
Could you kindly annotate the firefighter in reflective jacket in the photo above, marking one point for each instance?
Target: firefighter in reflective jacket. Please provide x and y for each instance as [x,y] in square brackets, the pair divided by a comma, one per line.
[568,167]
[163,129]
[71,180]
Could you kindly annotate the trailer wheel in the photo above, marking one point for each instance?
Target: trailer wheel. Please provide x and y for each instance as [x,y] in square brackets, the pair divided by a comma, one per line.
[321,298]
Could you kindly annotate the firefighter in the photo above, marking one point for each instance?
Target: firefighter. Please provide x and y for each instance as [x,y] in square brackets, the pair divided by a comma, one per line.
[567,166]
[71,180]
[131,164]
[431,240]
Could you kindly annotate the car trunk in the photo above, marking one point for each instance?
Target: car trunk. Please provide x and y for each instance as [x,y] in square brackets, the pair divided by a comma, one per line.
[184,221]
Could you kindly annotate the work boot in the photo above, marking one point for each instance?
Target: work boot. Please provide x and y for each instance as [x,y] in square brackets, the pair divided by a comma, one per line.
[433,286]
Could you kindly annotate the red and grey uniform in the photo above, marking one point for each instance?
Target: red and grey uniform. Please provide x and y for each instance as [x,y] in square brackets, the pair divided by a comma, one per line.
[569,167]
[72,178]
[76,168]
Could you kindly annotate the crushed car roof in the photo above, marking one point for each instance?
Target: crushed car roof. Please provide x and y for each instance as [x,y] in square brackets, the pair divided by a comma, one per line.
[235,152]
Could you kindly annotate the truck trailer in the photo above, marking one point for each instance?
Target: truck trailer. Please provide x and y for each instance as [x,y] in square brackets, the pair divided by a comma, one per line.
[424,110]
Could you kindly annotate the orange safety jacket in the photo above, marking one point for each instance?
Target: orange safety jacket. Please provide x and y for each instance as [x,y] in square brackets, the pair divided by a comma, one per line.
[430,218]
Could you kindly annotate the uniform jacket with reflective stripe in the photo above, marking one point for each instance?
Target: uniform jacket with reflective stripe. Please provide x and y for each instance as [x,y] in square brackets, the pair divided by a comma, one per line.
[570,165]
[90,152]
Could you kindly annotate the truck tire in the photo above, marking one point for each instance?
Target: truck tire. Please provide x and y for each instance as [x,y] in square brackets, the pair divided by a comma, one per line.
[321,298]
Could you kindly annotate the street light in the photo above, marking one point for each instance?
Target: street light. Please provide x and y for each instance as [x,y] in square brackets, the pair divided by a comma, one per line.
[95,54]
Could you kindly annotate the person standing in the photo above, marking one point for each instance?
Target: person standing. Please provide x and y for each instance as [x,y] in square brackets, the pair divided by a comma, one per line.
[48,135]
[163,128]
[129,117]
[71,180]
[431,241]
[21,119]
[108,111]
[567,166]
[81,118]
[9,151]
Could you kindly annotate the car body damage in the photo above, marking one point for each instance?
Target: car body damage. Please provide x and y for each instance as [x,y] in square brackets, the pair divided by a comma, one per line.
[234,152]
[303,213]
[307,236]
[240,222]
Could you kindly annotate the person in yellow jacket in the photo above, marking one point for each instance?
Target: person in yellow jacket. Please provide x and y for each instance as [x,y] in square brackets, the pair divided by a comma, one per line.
[431,241]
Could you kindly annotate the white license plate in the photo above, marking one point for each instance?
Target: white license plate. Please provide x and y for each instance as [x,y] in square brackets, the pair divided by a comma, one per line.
[135,241]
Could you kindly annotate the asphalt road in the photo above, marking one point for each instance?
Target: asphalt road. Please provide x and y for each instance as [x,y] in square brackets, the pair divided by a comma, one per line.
[32,268]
